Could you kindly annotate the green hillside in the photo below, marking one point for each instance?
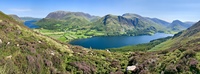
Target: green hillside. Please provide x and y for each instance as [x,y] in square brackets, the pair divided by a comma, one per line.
[178,55]
[23,51]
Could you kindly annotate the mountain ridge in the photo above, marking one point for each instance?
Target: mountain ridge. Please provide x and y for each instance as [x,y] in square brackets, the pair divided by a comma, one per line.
[64,14]
[128,24]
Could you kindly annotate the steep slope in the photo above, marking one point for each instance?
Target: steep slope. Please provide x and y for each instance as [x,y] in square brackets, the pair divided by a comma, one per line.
[180,54]
[146,22]
[23,51]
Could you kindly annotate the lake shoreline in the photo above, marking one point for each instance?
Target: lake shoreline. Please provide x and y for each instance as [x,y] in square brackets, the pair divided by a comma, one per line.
[105,44]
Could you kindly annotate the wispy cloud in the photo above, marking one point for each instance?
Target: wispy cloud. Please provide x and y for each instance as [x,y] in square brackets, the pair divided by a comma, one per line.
[20,9]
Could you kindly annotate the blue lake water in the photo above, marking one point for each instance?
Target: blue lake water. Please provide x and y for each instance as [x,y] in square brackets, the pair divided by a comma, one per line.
[116,41]
[31,24]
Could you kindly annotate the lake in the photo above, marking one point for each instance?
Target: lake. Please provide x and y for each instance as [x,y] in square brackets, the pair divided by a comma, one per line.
[31,24]
[116,41]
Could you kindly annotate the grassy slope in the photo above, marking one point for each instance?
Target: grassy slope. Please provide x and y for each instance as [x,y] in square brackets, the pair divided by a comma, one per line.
[178,55]
[21,48]
[22,51]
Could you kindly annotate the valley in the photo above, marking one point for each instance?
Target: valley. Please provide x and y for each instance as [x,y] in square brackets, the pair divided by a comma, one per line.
[99,37]
[84,25]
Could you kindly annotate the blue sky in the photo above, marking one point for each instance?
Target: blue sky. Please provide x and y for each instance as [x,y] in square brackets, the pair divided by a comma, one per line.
[184,10]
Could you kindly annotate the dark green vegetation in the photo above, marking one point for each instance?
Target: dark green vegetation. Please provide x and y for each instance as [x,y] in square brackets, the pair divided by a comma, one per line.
[83,25]
[140,47]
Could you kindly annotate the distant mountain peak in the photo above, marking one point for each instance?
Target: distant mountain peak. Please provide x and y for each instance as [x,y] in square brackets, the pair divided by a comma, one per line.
[176,21]
[131,15]
[60,11]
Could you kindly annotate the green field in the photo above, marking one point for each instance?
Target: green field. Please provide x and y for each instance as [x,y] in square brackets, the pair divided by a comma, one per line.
[69,35]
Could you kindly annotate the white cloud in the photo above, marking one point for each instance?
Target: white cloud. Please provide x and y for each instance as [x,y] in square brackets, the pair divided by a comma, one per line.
[20,10]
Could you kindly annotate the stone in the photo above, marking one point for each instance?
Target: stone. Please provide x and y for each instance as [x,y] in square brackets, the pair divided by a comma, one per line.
[9,57]
[39,42]
[8,43]
[1,41]
[107,50]
[131,68]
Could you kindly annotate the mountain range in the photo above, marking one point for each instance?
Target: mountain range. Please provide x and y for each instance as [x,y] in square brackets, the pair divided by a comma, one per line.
[127,24]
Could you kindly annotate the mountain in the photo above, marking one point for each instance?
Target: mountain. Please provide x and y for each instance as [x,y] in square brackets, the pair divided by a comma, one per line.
[29,18]
[159,21]
[23,51]
[177,25]
[178,55]
[127,24]
[65,15]
[61,20]
[16,17]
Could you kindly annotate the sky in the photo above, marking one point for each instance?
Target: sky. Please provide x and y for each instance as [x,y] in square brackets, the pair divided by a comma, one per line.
[168,10]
